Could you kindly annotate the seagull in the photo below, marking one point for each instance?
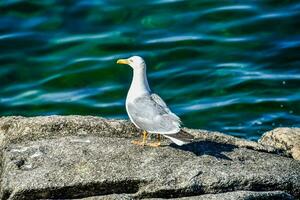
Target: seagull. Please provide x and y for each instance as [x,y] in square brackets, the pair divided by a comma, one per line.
[147,111]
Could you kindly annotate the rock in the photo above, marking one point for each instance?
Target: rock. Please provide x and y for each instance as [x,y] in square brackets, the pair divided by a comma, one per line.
[204,135]
[80,157]
[238,195]
[286,139]
[18,129]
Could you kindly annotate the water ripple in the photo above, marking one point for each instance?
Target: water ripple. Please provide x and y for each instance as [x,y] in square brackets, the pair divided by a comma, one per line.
[198,38]
[85,37]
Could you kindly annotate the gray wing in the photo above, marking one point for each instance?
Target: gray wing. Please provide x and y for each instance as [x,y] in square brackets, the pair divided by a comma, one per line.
[161,102]
[150,113]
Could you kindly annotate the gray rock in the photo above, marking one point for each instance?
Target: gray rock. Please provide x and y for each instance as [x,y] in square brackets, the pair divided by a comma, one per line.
[18,129]
[243,195]
[110,197]
[286,139]
[238,195]
[78,157]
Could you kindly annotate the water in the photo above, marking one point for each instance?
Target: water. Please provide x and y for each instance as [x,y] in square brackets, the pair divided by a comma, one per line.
[230,66]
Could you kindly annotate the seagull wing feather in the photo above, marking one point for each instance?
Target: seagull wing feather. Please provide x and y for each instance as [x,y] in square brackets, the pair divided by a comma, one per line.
[161,102]
[153,115]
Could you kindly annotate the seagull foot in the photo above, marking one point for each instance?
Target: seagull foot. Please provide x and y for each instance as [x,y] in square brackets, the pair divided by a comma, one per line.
[154,144]
[137,142]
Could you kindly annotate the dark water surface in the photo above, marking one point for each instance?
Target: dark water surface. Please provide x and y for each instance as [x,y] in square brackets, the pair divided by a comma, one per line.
[230,66]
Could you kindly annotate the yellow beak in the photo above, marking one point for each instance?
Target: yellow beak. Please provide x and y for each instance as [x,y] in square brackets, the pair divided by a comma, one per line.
[122,61]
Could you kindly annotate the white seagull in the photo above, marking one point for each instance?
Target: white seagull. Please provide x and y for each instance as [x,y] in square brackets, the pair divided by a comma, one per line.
[147,111]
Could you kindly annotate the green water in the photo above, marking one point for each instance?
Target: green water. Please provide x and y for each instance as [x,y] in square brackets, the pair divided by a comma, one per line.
[229,66]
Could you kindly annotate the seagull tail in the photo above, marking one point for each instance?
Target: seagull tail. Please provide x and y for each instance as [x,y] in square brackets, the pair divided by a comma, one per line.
[180,138]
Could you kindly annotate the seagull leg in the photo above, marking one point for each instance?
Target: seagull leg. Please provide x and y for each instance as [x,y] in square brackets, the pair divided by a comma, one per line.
[143,142]
[155,144]
[145,135]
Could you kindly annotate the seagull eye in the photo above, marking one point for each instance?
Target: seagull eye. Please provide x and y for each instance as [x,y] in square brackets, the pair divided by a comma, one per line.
[130,60]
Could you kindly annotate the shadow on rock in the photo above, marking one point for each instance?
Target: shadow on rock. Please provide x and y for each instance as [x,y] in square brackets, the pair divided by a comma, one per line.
[207,148]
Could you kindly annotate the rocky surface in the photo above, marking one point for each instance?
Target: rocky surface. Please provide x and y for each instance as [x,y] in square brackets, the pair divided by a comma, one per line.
[286,139]
[92,158]
[238,195]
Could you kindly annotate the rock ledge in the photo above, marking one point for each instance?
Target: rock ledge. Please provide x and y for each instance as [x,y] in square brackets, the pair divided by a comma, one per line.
[67,157]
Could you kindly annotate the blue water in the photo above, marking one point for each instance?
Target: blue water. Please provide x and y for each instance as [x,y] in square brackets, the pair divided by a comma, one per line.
[229,66]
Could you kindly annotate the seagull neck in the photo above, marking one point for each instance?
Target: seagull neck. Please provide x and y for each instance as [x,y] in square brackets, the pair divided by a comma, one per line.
[139,85]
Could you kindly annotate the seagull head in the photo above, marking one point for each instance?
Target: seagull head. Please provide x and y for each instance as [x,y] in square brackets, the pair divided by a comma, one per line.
[136,62]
